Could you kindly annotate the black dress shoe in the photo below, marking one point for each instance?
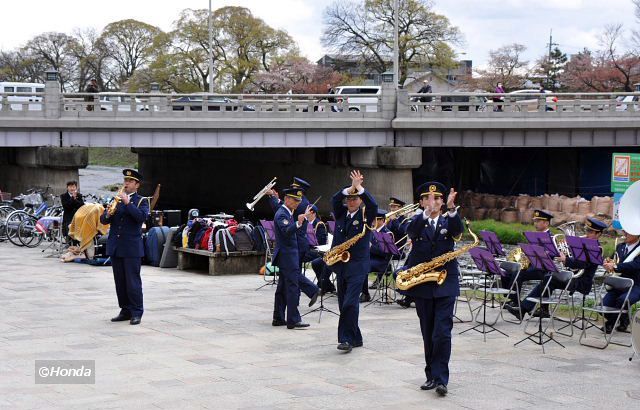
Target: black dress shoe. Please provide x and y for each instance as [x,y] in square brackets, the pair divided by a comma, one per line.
[508,304]
[299,325]
[515,312]
[541,313]
[120,318]
[428,385]
[314,298]
[441,389]
[622,328]
[374,285]
[365,297]
[357,344]
[608,328]
[404,303]
[135,320]
[345,346]
[276,322]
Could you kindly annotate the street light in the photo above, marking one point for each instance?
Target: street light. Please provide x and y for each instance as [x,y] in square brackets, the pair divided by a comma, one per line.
[396,45]
[210,53]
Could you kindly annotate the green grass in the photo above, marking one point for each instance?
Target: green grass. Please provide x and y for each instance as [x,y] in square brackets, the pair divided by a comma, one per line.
[508,233]
[113,157]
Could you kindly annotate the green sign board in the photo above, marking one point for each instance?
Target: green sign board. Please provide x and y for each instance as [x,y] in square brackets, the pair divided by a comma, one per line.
[625,170]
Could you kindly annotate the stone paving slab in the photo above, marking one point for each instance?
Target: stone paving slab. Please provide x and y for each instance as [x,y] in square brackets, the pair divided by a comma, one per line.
[207,342]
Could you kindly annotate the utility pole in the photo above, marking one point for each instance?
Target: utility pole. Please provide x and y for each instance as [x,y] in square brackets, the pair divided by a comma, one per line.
[210,52]
[396,44]
[551,44]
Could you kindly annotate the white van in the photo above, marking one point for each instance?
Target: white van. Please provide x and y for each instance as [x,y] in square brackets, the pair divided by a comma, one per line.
[8,88]
[366,98]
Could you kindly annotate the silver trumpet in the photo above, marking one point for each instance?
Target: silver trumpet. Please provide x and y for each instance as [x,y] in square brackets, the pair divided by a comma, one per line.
[262,193]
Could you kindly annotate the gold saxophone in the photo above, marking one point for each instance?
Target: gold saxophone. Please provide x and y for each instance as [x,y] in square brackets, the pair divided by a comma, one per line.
[340,253]
[111,209]
[429,271]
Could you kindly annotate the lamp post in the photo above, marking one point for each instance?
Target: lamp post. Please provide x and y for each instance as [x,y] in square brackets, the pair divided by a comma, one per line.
[210,52]
[396,45]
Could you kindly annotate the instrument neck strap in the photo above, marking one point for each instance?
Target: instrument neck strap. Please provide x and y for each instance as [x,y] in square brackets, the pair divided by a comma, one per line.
[632,255]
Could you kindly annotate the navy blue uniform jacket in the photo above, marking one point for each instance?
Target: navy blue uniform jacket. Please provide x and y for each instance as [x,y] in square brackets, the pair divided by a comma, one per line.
[285,255]
[629,269]
[359,262]
[301,234]
[125,233]
[426,248]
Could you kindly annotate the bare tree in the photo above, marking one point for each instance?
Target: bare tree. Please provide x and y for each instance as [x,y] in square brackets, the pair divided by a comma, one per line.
[56,49]
[625,63]
[505,65]
[365,30]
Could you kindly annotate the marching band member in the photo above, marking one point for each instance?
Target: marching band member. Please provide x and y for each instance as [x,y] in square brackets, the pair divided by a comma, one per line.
[432,235]
[628,267]
[379,260]
[285,257]
[125,248]
[541,223]
[581,284]
[352,220]
[305,285]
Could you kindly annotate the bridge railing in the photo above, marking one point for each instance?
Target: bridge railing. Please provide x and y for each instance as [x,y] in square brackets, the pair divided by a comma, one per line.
[225,105]
[13,104]
[518,105]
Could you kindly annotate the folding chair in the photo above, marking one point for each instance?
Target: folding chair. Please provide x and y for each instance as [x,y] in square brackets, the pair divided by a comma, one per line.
[511,269]
[564,278]
[539,336]
[621,285]
[269,244]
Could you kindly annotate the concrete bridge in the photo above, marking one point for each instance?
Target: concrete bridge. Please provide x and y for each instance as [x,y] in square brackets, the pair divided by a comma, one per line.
[390,119]
[185,139]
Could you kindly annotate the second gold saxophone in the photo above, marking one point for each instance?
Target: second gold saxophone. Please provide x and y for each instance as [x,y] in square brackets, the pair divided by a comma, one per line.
[431,271]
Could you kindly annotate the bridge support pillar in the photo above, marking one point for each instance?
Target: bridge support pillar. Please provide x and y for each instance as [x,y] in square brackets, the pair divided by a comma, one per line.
[23,168]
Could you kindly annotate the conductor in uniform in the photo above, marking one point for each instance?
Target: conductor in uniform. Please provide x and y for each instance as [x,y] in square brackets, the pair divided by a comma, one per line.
[125,248]
[305,285]
[286,258]
[352,220]
[433,234]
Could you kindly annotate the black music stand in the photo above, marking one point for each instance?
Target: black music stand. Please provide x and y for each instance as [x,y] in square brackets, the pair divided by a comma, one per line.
[541,260]
[486,263]
[321,308]
[588,251]
[544,240]
[495,247]
[493,243]
[388,246]
[271,236]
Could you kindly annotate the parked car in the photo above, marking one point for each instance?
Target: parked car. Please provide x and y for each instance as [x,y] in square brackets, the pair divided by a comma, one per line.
[109,100]
[9,87]
[214,103]
[627,103]
[360,97]
[525,99]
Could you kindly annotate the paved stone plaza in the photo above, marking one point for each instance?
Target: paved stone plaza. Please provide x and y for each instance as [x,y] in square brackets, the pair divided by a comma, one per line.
[207,342]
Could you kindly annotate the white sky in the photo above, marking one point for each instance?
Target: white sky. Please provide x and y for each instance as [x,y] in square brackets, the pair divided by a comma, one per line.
[486,24]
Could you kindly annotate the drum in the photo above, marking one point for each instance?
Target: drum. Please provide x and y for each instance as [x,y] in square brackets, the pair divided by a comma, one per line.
[635,332]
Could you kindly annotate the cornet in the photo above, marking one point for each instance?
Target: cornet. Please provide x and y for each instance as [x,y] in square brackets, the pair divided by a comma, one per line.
[405,210]
[262,193]
[111,209]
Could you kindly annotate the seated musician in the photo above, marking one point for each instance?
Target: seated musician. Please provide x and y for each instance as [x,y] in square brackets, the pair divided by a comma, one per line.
[541,223]
[323,274]
[398,225]
[379,259]
[581,284]
[627,267]
[319,228]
